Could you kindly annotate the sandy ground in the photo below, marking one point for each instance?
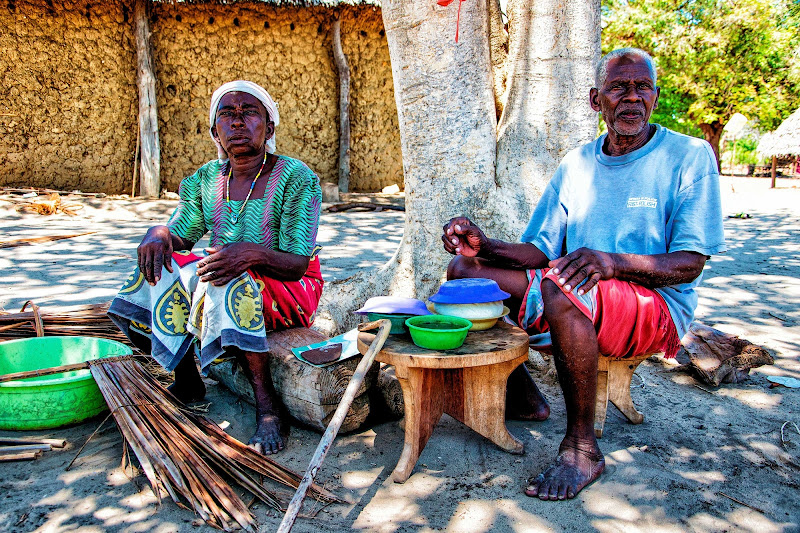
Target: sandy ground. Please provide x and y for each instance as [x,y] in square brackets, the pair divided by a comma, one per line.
[672,473]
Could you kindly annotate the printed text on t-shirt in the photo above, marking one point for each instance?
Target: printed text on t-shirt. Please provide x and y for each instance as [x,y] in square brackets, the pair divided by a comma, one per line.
[642,201]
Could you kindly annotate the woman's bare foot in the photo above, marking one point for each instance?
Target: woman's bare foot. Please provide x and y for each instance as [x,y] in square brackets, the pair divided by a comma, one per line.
[524,401]
[578,464]
[270,436]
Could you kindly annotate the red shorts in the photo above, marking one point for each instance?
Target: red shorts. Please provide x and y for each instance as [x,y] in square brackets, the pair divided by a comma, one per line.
[629,319]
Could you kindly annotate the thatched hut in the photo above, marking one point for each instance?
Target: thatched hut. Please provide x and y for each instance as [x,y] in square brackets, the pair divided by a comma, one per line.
[782,145]
[69,97]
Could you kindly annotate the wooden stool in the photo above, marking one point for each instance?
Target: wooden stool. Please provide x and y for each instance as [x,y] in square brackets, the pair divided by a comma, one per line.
[467,383]
[614,384]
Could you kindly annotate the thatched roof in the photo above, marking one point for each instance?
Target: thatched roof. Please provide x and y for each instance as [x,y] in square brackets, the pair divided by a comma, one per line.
[783,141]
[283,3]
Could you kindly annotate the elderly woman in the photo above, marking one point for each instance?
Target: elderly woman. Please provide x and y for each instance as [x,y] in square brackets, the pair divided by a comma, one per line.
[260,272]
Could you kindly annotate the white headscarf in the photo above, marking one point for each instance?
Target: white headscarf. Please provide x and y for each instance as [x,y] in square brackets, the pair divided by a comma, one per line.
[248,87]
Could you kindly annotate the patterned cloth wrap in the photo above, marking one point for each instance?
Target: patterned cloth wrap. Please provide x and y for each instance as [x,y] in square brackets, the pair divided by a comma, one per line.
[629,319]
[180,308]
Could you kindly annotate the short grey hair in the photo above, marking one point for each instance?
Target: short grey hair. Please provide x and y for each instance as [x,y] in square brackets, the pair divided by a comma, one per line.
[601,72]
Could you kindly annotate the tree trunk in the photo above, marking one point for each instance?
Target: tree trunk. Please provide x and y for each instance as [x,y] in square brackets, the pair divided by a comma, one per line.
[447,117]
[554,47]
[498,52]
[344,106]
[713,133]
[148,115]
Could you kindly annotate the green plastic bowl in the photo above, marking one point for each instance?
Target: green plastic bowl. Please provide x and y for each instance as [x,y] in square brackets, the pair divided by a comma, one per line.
[398,321]
[56,400]
[438,332]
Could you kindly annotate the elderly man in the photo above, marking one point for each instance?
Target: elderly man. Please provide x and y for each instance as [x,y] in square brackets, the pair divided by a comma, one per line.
[610,259]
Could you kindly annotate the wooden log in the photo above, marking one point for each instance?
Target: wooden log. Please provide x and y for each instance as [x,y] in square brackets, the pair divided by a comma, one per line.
[150,155]
[25,448]
[344,105]
[717,357]
[55,443]
[310,394]
[22,456]
[386,398]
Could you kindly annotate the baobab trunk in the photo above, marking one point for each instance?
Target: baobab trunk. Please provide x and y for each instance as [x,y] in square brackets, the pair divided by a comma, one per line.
[712,133]
[445,95]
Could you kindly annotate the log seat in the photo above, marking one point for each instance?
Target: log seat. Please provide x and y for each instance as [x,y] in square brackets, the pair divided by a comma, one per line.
[310,394]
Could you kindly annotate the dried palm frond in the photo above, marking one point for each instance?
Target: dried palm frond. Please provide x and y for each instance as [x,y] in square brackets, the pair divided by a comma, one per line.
[186,455]
[51,205]
[86,320]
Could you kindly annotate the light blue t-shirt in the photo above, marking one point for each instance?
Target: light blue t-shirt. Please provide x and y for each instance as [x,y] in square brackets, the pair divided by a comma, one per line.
[663,197]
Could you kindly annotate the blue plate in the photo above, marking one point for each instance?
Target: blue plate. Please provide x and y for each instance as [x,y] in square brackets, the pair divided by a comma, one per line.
[469,291]
[396,305]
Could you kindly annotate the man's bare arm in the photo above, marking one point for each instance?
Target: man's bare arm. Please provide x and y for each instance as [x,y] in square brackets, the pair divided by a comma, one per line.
[650,271]
[461,236]
[513,255]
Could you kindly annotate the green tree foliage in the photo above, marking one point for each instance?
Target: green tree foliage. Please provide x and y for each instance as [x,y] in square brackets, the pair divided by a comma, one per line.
[715,58]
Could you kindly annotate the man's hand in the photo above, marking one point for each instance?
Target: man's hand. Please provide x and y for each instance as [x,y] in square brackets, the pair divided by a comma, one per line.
[463,237]
[583,264]
[224,263]
[154,252]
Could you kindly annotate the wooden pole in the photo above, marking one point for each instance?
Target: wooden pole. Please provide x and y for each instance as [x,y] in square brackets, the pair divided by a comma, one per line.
[344,106]
[150,160]
[774,172]
[325,443]
[136,162]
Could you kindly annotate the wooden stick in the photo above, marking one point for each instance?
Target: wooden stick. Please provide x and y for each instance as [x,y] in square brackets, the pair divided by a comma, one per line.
[53,370]
[43,372]
[325,443]
[742,503]
[32,240]
[55,443]
[364,205]
[25,448]
[24,456]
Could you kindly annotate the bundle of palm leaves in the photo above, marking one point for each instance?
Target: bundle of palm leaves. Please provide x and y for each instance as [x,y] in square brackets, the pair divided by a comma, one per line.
[185,455]
[84,320]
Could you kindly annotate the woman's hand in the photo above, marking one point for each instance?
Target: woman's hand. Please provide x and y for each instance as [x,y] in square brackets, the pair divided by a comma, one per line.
[153,252]
[224,263]
[461,236]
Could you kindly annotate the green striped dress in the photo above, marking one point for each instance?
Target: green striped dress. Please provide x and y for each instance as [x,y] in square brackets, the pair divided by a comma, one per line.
[285,219]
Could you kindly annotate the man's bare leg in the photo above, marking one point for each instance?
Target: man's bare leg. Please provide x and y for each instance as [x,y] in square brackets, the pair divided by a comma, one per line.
[575,351]
[524,401]
[271,430]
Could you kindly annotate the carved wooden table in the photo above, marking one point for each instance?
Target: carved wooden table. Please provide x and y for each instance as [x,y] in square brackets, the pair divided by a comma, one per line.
[467,383]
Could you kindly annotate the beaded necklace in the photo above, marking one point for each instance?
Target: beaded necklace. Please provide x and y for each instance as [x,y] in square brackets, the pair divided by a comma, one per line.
[235,216]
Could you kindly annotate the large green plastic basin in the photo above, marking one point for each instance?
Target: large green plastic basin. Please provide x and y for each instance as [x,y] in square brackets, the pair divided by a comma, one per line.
[59,399]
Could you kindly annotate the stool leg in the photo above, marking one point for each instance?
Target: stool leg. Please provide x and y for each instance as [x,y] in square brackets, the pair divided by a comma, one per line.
[601,399]
[619,386]
[484,403]
[423,391]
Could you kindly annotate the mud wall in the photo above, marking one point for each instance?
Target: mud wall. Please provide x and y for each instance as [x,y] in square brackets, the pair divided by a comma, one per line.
[68,101]
[288,50]
[67,95]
